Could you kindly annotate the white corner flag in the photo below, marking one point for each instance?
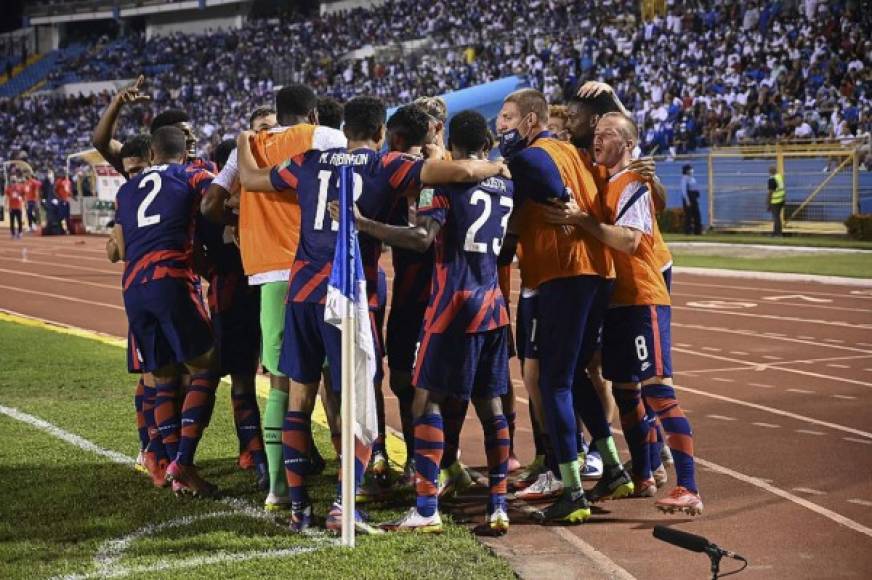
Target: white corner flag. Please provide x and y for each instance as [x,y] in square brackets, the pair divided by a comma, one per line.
[347,308]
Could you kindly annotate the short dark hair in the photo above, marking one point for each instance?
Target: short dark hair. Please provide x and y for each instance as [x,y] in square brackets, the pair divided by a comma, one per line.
[222,151]
[412,123]
[168,142]
[138,146]
[295,101]
[330,112]
[685,169]
[260,112]
[598,105]
[363,117]
[168,118]
[468,132]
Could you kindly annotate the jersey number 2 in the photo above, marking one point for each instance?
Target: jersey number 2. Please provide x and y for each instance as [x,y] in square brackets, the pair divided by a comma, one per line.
[480,197]
[143,220]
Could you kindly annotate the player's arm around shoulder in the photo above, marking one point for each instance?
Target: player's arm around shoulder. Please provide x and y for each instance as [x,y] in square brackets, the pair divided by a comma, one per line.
[620,238]
[417,237]
[437,170]
[251,177]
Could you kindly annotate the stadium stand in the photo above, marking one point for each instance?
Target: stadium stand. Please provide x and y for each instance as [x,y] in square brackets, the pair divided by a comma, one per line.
[696,80]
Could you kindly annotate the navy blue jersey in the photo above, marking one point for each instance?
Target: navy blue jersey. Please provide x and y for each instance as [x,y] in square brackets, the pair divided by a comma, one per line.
[413,271]
[465,294]
[385,177]
[157,212]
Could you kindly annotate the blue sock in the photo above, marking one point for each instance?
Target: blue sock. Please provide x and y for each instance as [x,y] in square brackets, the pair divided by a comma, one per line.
[676,427]
[429,447]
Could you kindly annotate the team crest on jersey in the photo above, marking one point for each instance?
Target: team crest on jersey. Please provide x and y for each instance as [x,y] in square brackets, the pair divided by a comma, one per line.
[426,197]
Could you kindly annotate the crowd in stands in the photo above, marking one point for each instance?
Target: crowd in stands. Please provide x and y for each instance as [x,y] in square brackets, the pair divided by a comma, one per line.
[709,73]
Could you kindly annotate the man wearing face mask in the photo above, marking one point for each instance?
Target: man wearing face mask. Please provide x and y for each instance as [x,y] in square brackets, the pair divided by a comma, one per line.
[570,270]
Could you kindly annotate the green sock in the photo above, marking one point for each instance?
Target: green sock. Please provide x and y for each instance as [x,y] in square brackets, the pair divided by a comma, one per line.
[273,420]
[569,473]
[608,451]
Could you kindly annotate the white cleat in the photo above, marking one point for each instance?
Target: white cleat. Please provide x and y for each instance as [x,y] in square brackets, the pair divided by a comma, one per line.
[546,486]
[412,521]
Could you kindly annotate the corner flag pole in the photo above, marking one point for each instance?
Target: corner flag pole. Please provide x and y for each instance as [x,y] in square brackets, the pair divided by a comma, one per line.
[348,331]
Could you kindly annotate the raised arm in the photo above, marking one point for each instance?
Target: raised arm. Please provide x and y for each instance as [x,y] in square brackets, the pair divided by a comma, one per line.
[102,138]
[592,89]
[438,171]
[251,177]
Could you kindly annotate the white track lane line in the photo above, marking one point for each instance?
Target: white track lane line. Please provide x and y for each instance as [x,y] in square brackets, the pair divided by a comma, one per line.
[791,304]
[759,291]
[763,366]
[68,266]
[715,311]
[116,287]
[62,297]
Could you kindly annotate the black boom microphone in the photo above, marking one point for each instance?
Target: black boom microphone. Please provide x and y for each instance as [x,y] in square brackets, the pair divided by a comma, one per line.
[681,539]
[696,543]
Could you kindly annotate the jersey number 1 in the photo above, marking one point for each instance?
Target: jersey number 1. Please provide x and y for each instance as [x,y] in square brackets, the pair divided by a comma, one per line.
[143,220]
[324,188]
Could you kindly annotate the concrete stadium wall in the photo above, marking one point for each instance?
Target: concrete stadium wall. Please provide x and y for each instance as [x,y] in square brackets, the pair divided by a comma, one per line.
[196,21]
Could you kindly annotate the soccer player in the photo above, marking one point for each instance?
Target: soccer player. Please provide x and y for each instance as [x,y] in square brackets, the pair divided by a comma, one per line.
[235,309]
[135,155]
[329,112]
[636,330]
[102,139]
[571,273]
[464,342]
[269,231]
[584,111]
[379,180]
[154,231]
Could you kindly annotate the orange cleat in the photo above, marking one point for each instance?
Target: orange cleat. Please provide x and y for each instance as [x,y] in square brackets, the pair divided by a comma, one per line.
[680,500]
[155,468]
[189,481]
[245,461]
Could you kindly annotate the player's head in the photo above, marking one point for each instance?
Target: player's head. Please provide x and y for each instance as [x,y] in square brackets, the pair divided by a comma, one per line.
[582,115]
[524,110]
[468,135]
[615,137]
[136,154]
[437,109]
[296,104]
[262,118]
[408,128]
[365,120]
[687,169]
[168,145]
[181,120]
[557,122]
[222,152]
[330,112]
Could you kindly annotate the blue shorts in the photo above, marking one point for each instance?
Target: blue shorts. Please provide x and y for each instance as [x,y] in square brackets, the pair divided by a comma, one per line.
[593,331]
[235,310]
[568,318]
[404,328]
[307,341]
[134,365]
[471,365]
[667,277]
[525,327]
[637,344]
[168,322]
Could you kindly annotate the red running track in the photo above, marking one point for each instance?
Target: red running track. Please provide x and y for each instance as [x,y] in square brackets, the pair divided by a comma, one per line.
[775,376]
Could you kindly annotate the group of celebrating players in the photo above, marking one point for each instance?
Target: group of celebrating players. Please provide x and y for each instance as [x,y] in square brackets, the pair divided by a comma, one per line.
[259,222]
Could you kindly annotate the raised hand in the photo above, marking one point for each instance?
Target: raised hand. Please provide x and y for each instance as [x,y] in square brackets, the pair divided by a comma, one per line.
[131,93]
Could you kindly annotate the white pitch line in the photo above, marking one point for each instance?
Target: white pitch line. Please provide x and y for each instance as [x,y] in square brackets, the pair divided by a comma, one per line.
[63,435]
[761,385]
[774,411]
[861,502]
[767,425]
[810,432]
[800,391]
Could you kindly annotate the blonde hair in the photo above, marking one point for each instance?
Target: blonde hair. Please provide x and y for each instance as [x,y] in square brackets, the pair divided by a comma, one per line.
[530,101]
[436,107]
[628,128]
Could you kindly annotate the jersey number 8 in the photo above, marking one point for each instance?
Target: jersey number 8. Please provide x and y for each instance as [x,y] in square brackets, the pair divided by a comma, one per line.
[480,197]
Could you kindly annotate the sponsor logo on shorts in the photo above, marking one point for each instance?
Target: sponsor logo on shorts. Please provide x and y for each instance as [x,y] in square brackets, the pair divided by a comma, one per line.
[646,365]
